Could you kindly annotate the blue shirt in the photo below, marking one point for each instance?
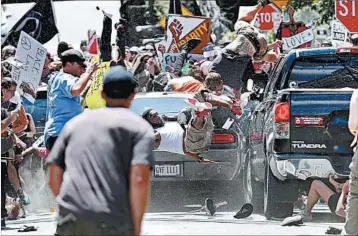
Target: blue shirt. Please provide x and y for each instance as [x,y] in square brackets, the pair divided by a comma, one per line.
[62,106]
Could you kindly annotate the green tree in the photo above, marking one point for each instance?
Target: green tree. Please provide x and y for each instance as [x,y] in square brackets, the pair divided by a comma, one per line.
[324,7]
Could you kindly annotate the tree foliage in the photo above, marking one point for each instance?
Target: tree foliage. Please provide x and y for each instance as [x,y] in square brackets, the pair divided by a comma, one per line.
[324,7]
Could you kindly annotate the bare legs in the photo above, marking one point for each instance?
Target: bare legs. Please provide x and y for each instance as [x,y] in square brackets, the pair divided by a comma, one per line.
[318,189]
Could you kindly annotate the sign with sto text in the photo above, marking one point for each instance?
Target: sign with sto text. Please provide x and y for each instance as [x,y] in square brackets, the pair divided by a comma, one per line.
[93,98]
[31,54]
[347,14]
[182,28]
[268,17]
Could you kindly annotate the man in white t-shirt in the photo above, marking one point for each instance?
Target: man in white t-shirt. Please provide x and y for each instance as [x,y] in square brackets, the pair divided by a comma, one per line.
[351,226]
[170,136]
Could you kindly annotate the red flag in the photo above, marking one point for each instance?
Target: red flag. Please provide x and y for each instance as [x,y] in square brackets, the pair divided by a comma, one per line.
[92,42]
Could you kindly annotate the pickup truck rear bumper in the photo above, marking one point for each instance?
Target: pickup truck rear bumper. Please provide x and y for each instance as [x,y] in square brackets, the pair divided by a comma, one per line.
[301,166]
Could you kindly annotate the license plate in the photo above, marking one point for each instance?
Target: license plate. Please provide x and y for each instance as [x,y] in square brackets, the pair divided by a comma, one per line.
[168,170]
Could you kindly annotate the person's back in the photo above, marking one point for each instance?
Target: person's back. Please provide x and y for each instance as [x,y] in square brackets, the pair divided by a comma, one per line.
[101,163]
[99,167]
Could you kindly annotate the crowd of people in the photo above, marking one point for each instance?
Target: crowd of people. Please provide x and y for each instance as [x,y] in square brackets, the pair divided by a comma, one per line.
[125,141]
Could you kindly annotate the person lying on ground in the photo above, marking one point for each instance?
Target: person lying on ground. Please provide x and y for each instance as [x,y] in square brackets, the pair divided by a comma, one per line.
[333,193]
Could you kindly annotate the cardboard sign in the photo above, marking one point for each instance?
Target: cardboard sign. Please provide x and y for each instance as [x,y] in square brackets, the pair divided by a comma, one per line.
[160,48]
[182,28]
[170,59]
[339,33]
[297,40]
[32,55]
[93,98]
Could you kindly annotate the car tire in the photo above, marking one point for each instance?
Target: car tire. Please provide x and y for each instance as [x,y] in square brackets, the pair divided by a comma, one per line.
[253,190]
[272,207]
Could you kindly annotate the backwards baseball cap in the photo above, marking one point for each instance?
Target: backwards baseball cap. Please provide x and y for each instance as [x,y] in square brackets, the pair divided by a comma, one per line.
[118,83]
[73,55]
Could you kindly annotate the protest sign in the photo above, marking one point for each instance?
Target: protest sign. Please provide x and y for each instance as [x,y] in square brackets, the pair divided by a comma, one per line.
[294,34]
[339,33]
[160,48]
[31,54]
[297,40]
[170,59]
[182,28]
[93,98]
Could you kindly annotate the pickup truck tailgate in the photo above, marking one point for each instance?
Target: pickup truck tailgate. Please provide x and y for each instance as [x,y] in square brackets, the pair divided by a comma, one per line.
[319,124]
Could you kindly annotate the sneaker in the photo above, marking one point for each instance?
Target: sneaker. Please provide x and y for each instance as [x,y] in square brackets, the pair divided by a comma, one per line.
[201,108]
[190,45]
[210,206]
[198,106]
[307,218]
[296,220]
[292,221]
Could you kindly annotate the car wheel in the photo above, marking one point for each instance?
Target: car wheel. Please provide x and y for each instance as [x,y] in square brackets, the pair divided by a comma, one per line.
[253,190]
[273,208]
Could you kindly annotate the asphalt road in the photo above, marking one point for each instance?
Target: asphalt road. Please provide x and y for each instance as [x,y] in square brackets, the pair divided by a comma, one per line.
[183,223]
[170,212]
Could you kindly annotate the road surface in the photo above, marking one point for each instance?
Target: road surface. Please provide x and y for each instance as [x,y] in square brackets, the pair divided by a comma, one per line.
[184,223]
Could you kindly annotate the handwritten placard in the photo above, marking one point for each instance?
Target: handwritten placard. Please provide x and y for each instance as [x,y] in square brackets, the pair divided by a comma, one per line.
[170,59]
[32,55]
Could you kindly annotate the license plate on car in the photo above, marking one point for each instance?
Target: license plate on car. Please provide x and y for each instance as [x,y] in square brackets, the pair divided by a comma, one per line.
[167,170]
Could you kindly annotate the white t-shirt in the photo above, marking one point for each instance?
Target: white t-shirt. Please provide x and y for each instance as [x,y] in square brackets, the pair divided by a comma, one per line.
[171,138]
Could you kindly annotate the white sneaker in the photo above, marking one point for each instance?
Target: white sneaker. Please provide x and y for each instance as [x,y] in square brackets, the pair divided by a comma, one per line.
[198,106]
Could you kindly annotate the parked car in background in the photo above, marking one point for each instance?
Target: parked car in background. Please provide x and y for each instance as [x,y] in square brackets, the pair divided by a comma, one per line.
[298,131]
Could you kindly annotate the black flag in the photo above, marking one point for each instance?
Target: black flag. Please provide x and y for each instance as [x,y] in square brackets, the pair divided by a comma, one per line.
[38,22]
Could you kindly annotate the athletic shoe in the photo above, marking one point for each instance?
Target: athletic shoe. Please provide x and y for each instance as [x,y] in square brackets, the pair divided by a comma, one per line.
[245,211]
[190,45]
[198,106]
[210,206]
[296,220]
[201,108]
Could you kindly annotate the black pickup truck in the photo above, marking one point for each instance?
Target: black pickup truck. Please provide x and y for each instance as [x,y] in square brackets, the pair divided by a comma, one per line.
[299,127]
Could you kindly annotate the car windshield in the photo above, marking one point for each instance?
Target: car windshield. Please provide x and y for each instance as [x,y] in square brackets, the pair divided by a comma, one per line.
[163,105]
[326,72]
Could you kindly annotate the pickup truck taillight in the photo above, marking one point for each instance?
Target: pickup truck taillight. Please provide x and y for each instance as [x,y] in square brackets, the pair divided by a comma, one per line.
[282,120]
[222,138]
[353,50]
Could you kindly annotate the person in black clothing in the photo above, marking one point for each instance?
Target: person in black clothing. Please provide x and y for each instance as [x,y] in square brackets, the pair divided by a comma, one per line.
[6,144]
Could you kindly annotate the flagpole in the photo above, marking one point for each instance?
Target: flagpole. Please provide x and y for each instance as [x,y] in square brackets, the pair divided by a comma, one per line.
[54,16]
